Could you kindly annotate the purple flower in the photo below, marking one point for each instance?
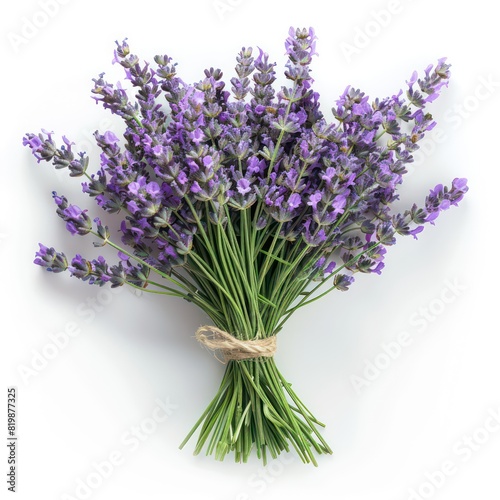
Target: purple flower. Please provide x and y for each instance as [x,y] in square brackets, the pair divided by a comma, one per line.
[77,220]
[412,80]
[416,231]
[41,145]
[80,268]
[378,268]
[243,186]
[342,282]
[50,259]
[294,201]
[195,187]
[110,138]
[132,206]
[458,189]
[330,267]
[339,204]
[256,166]
[33,141]
[441,198]
[328,175]
[196,136]
[314,199]
[136,187]
[101,274]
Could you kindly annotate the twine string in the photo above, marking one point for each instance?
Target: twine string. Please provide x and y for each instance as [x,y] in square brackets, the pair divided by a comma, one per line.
[232,348]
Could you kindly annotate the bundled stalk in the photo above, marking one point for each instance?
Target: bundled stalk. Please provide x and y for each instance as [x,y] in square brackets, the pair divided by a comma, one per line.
[249,204]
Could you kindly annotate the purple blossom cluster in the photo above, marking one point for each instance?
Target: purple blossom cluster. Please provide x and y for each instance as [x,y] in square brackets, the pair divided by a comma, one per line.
[195,156]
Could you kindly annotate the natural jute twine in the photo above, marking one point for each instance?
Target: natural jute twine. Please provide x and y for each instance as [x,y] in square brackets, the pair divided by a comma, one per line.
[232,348]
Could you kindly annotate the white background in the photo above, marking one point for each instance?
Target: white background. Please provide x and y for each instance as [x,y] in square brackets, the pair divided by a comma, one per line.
[429,408]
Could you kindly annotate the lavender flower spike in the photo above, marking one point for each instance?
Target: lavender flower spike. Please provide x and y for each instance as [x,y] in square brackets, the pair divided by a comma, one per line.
[77,220]
[50,259]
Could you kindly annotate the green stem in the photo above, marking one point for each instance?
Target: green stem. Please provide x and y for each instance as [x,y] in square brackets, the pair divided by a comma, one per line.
[282,131]
[256,405]
[142,262]
[269,254]
[305,300]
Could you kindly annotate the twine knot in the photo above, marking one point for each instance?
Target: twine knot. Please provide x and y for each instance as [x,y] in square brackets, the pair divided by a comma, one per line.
[232,348]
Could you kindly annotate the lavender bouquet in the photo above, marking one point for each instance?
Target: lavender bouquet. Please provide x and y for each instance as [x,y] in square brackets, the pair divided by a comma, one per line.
[249,204]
